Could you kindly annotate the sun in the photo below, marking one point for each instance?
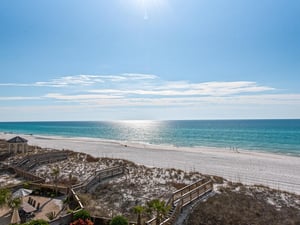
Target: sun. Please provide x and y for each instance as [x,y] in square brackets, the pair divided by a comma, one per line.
[150,2]
[147,5]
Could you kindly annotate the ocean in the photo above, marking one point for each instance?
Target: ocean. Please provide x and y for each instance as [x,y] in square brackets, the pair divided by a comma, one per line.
[277,136]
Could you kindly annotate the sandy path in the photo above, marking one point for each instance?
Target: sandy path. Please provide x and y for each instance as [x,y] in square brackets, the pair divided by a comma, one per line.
[274,170]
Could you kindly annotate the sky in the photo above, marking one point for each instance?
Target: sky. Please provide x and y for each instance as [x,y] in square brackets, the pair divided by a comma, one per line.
[149,59]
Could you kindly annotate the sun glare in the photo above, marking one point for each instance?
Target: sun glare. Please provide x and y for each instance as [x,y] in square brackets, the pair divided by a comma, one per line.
[147,5]
[150,2]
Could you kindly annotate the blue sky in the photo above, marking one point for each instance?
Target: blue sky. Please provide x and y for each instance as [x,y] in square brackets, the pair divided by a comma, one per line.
[149,59]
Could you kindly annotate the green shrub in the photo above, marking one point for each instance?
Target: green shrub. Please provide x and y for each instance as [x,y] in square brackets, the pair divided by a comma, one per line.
[26,185]
[119,220]
[36,222]
[82,214]
[4,196]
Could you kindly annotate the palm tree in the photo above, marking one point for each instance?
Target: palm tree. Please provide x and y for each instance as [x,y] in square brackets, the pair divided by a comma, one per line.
[139,210]
[159,208]
[5,196]
[14,203]
[55,173]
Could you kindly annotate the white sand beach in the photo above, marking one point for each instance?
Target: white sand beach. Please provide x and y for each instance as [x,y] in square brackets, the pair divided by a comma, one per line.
[273,170]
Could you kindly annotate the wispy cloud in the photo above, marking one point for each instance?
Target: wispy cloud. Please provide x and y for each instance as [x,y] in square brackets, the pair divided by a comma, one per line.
[85,80]
[145,84]
[108,101]
[80,97]
[133,89]
[18,98]
[143,96]
[190,89]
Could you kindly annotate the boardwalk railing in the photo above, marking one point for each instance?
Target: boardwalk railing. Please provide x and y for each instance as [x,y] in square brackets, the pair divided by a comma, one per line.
[186,199]
[60,188]
[182,198]
[23,166]
[31,161]
[181,192]
[100,175]
[27,175]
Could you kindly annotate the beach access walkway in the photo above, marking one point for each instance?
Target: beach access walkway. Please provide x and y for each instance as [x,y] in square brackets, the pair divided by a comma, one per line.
[31,161]
[183,197]
[94,180]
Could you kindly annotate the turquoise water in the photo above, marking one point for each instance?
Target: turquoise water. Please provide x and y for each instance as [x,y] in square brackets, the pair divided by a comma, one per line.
[280,136]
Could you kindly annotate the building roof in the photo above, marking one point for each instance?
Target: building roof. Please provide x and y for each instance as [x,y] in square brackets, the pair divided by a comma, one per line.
[17,139]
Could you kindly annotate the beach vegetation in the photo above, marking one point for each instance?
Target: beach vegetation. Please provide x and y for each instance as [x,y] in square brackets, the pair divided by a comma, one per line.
[66,200]
[7,199]
[176,185]
[139,210]
[82,214]
[241,204]
[51,215]
[158,208]
[36,222]
[15,203]
[217,179]
[55,173]
[26,184]
[119,220]
[5,196]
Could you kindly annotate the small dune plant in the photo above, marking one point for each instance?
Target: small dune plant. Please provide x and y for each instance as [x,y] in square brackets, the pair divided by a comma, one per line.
[119,220]
[36,222]
[82,218]
[82,214]
[51,215]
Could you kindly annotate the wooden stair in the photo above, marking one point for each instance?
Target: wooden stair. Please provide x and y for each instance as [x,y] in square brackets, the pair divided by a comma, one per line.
[184,197]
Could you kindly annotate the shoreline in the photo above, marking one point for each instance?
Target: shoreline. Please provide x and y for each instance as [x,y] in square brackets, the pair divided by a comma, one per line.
[142,145]
[277,171]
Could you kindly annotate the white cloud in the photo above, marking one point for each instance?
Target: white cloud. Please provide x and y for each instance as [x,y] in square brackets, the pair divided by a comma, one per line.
[132,89]
[142,89]
[108,101]
[190,89]
[80,80]
[85,80]
[80,94]
[16,84]
[59,96]
[18,98]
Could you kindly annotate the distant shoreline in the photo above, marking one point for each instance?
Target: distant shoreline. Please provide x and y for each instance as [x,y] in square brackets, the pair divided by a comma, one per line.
[151,146]
[274,170]
[274,136]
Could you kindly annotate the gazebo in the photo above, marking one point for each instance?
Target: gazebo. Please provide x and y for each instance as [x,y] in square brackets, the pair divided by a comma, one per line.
[17,144]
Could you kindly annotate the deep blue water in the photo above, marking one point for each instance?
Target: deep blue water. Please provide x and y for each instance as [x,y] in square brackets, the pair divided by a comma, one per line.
[281,136]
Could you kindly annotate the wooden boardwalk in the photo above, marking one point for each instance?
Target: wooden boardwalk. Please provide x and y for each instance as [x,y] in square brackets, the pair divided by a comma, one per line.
[182,198]
[101,175]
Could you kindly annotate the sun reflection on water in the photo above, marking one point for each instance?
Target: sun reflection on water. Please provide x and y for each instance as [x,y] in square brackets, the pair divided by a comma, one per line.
[139,130]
